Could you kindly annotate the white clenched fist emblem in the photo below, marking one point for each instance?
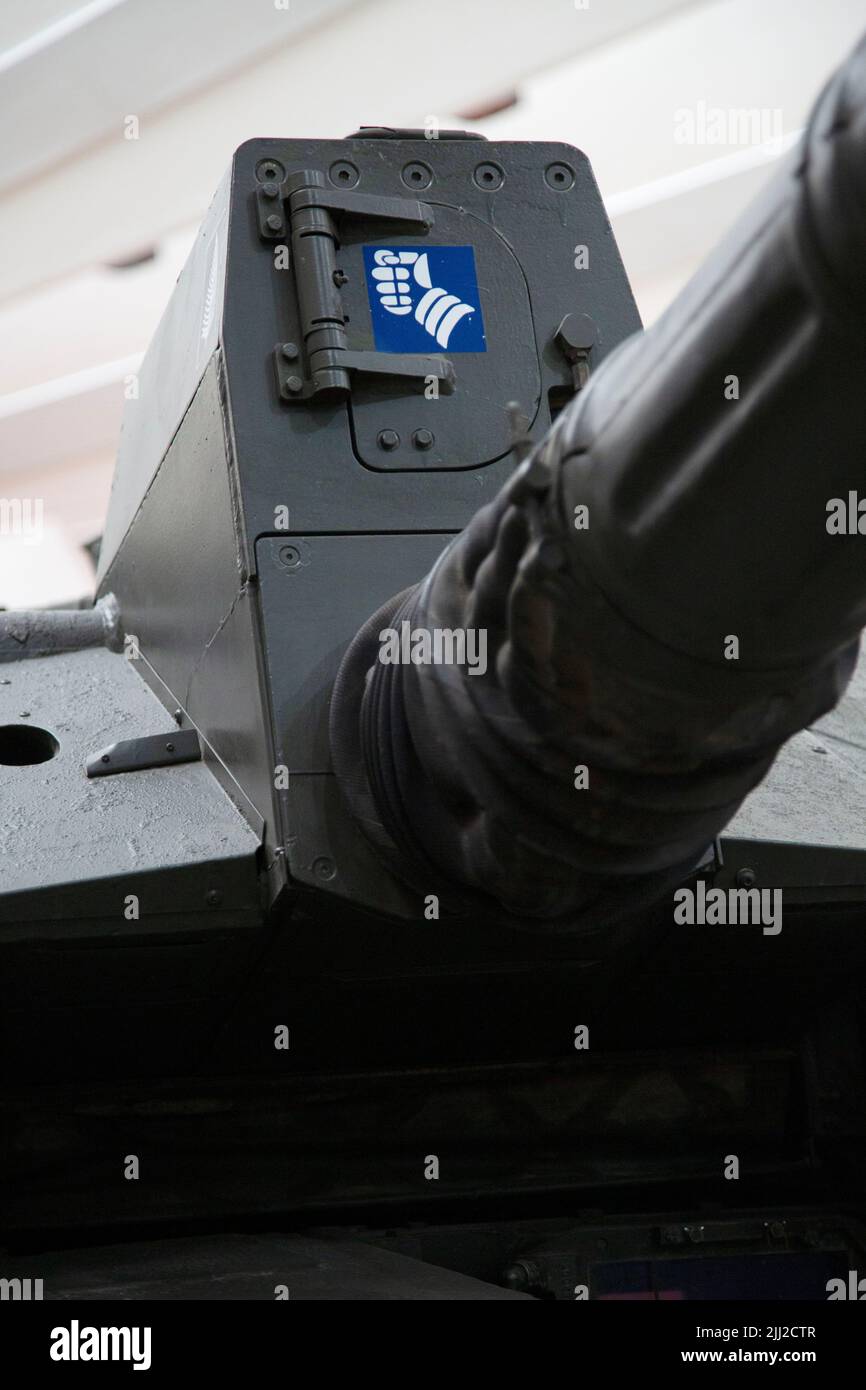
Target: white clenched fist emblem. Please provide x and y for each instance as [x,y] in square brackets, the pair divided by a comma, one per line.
[401,276]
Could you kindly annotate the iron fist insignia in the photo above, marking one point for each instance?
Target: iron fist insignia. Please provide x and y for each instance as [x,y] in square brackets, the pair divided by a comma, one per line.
[424,299]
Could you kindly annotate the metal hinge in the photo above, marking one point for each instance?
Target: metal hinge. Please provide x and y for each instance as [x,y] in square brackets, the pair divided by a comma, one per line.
[321,366]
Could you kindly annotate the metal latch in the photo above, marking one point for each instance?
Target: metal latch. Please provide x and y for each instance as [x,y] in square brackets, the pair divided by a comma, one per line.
[321,368]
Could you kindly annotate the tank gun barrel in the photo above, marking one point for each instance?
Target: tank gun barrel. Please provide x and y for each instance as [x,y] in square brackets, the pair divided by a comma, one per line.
[666,590]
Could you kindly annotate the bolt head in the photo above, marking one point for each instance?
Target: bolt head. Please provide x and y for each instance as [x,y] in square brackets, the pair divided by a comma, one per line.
[289,351]
[294,384]
[576,333]
[388,439]
[488,176]
[559,177]
[274,223]
[422,439]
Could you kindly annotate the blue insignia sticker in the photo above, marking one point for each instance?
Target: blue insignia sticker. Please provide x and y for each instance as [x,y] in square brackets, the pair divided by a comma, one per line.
[424,299]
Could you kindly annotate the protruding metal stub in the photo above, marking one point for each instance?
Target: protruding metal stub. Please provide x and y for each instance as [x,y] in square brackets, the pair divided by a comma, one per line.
[575,337]
[47,631]
[137,754]
[518,423]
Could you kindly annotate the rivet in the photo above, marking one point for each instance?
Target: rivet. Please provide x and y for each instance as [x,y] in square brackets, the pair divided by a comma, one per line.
[290,556]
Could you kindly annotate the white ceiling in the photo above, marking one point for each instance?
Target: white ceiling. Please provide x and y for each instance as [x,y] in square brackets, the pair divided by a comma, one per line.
[20,22]
[105,59]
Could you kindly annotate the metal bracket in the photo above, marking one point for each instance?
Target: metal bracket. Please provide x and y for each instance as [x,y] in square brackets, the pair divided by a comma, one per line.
[294,386]
[136,754]
[310,189]
[307,206]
